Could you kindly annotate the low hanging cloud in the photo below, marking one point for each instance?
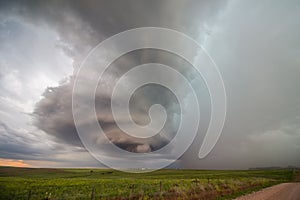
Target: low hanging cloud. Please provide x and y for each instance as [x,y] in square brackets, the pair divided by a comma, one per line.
[53,113]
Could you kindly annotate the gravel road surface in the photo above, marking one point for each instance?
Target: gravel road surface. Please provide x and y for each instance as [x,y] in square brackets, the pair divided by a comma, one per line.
[284,191]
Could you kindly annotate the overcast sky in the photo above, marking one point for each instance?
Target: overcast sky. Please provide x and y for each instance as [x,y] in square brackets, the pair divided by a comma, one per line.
[255,44]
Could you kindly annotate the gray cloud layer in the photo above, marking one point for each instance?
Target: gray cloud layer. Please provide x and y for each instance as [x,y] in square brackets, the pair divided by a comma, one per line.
[255,44]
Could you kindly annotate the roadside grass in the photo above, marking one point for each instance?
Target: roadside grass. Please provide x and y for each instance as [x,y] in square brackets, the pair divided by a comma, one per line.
[28,183]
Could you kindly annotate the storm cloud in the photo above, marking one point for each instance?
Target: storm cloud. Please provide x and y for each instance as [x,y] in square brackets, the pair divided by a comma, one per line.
[255,45]
[53,113]
[81,26]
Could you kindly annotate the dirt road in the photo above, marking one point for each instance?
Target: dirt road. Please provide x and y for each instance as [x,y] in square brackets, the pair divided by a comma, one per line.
[284,191]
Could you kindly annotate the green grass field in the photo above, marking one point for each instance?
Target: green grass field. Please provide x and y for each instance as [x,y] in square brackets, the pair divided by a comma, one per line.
[28,183]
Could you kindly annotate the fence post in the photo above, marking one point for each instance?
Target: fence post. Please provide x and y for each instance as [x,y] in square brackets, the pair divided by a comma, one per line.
[93,193]
[100,196]
[132,190]
[160,187]
[29,195]
[131,193]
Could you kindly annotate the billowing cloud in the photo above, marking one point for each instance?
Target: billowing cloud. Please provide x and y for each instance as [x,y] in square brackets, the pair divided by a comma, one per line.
[54,112]
[255,44]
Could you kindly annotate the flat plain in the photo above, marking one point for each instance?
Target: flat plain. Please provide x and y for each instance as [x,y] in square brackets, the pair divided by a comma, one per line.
[34,183]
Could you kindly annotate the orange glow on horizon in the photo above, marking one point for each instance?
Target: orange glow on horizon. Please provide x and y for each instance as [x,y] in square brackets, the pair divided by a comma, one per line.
[13,163]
